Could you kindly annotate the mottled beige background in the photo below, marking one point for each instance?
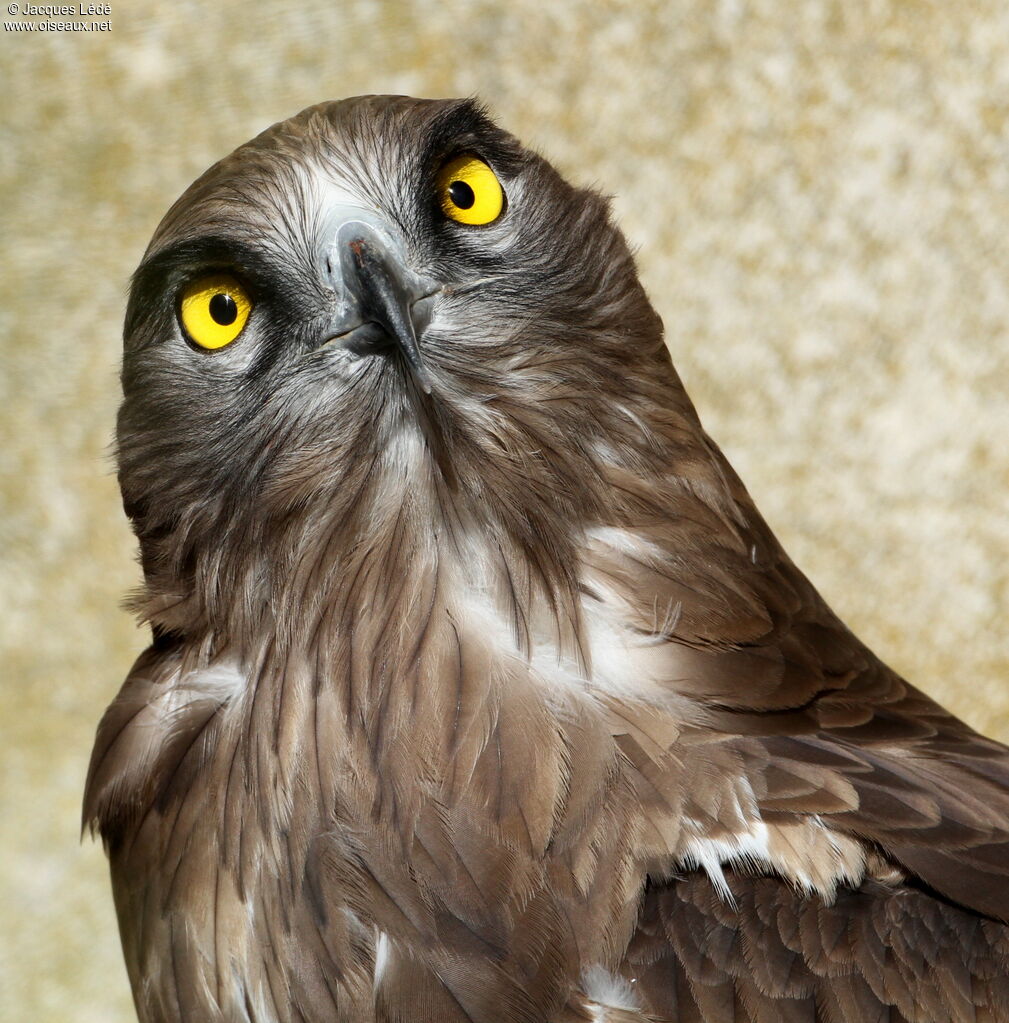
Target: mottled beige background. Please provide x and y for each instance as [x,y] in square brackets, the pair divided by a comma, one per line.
[820,194]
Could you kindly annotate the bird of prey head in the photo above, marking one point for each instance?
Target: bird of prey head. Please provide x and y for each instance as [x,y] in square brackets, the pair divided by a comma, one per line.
[478,688]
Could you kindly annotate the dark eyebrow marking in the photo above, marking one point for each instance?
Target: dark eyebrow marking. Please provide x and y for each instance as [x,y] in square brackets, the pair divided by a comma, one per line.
[159,277]
[191,255]
[466,127]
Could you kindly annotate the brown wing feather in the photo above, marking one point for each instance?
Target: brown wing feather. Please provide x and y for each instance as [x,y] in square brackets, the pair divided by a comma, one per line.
[823,726]
[878,953]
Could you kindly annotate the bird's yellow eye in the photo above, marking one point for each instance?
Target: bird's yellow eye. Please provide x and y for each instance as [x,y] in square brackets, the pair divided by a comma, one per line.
[469,191]
[213,310]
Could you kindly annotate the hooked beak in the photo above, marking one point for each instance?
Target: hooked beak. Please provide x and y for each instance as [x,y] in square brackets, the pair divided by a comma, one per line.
[378,302]
[386,301]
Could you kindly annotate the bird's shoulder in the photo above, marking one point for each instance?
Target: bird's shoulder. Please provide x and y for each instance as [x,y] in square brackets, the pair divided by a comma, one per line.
[167,708]
[823,743]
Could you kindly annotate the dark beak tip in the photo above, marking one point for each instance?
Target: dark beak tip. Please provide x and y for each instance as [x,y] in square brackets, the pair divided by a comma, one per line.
[386,300]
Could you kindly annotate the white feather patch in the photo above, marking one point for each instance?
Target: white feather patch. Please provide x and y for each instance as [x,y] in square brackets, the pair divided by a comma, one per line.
[605,990]
[220,682]
[804,852]
[749,847]
[381,959]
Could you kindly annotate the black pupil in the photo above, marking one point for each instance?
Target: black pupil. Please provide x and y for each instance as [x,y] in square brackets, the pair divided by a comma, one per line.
[223,309]
[461,194]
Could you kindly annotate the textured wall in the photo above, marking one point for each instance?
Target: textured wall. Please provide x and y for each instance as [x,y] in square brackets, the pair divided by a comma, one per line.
[820,194]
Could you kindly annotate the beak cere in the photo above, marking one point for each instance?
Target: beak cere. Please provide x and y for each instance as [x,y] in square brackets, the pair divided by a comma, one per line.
[385,300]
[375,295]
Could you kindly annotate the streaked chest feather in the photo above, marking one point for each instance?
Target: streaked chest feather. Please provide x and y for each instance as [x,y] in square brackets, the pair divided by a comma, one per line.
[604,668]
[578,722]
